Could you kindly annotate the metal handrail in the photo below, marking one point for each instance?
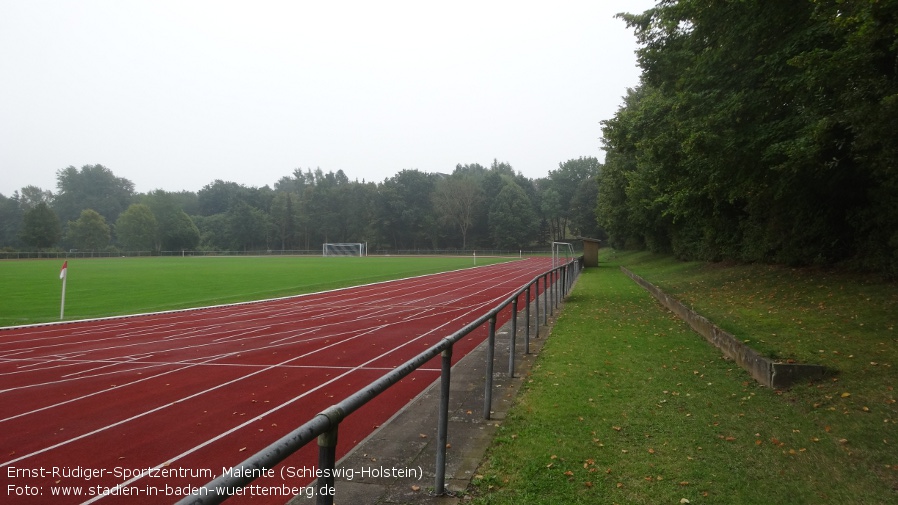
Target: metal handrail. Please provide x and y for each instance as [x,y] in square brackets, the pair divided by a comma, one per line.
[324,425]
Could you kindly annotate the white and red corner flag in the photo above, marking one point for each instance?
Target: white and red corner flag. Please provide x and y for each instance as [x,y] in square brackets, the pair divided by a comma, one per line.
[65,266]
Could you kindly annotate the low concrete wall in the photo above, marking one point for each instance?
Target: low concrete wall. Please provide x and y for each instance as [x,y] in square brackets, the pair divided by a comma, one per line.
[763,370]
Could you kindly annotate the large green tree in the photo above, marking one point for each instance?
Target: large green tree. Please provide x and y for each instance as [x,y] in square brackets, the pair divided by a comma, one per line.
[559,192]
[456,200]
[175,229]
[93,187]
[90,231]
[11,213]
[33,195]
[248,226]
[40,227]
[583,222]
[181,233]
[512,220]
[283,218]
[406,215]
[214,232]
[137,229]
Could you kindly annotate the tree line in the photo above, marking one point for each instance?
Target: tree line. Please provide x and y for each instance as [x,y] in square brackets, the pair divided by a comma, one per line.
[473,207]
[760,131]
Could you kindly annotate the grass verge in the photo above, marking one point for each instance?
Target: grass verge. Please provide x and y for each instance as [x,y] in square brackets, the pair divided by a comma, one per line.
[116,286]
[627,405]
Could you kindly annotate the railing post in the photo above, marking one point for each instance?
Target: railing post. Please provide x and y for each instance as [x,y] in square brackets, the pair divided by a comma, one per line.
[552,287]
[443,423]
[488,383]
[546,299]
[514,335]
[556,287]
[527,321]
[536,304]
[552,292]
[327,461]
[564,282]
[568,277]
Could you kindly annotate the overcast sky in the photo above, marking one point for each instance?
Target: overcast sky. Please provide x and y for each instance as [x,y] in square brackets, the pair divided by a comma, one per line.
[175,94]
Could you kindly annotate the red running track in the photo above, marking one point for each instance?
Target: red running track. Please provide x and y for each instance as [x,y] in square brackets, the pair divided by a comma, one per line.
[139,409]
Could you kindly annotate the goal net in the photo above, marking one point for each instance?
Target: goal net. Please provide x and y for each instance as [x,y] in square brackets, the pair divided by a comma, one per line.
[344,249]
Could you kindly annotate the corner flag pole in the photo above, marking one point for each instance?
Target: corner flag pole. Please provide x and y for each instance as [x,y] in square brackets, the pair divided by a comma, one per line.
[63,275]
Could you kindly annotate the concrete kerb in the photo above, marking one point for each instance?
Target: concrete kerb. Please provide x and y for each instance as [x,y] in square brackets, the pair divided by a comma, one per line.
[766,371]
[408,439]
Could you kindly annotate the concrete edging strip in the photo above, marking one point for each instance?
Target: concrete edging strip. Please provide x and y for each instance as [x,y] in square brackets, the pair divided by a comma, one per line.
[764,370]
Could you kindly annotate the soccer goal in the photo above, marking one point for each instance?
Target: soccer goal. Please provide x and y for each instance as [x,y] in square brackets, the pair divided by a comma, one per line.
[562,252]
[344,249]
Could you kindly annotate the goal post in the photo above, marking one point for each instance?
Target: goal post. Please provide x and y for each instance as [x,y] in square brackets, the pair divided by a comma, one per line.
[344,249]
[562,252]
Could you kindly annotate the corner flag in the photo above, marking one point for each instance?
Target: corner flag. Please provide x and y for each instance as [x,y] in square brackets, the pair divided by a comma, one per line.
[62,276]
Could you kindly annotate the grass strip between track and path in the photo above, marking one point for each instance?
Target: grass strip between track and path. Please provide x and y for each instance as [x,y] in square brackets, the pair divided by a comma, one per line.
[626,404]
[101,287]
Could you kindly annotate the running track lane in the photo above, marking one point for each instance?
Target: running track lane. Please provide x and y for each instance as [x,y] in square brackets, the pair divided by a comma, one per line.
[191,393]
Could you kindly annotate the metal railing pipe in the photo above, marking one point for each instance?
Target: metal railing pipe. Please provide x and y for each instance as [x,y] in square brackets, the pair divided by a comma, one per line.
[327,458]
[443,423]
[488,382]
[552,285]
[527,321]
[514,336]
[536,305]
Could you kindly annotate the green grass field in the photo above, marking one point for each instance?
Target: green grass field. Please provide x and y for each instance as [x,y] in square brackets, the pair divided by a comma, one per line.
[31,289]
[626,404]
